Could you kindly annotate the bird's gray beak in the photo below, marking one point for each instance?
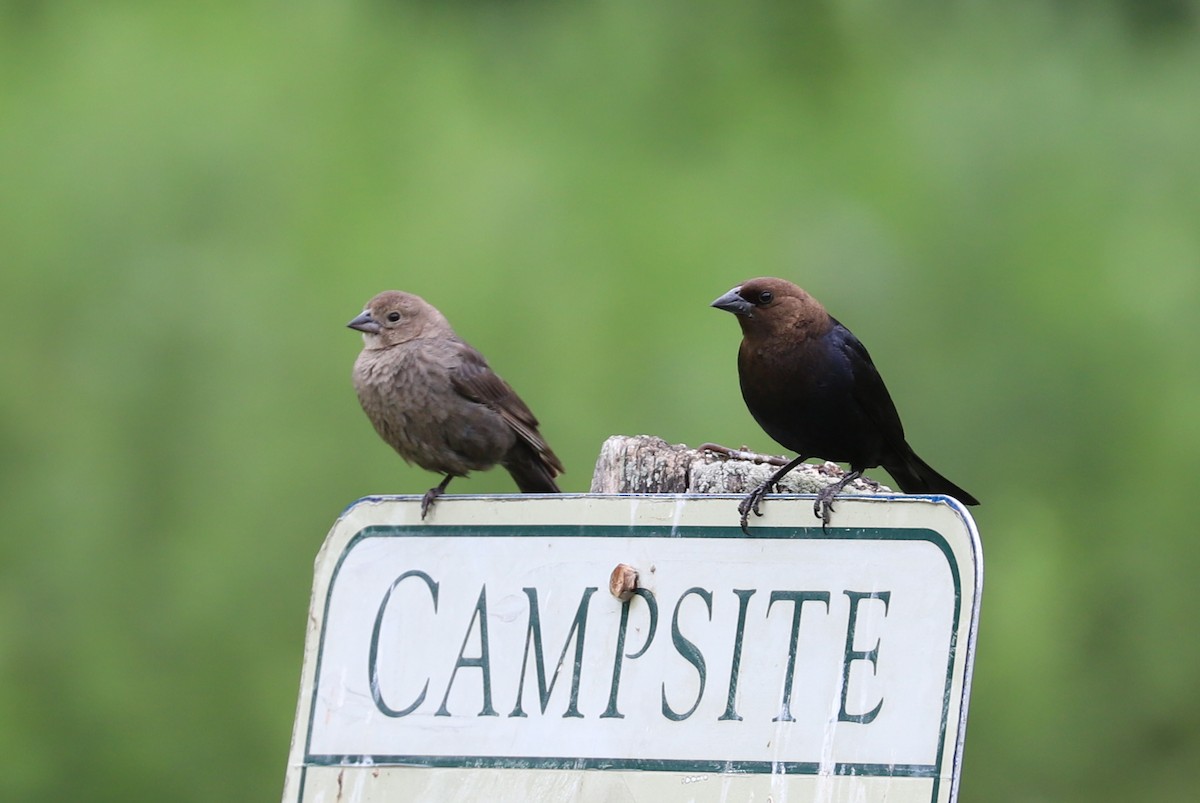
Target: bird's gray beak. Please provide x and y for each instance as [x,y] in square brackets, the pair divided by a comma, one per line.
[365,323]
[733,302]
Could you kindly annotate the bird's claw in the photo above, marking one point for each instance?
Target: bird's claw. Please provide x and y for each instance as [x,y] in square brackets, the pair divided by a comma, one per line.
[751,503]
[427,500]
[744,509]
[433,493]
[823,506]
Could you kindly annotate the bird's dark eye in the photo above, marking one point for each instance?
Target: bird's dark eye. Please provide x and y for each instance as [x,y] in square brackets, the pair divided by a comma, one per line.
[393,316]
[765,297]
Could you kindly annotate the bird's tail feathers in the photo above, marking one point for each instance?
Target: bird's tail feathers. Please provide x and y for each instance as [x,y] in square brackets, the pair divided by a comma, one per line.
[915,476]
[533,471]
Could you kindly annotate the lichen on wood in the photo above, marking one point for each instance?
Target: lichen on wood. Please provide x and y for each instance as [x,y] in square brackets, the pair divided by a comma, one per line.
[648,464]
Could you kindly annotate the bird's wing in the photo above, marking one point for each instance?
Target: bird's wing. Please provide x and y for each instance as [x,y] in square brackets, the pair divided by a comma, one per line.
[869,391]
[474,379]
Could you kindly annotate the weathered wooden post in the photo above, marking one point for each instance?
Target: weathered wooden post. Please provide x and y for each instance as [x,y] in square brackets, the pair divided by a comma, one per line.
[644,464]
[634,644]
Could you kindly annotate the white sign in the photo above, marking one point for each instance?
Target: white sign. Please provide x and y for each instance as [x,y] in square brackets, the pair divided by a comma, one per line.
[481,656]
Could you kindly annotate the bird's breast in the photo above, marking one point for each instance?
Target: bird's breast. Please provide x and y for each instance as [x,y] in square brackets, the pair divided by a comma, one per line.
[409,396]
[803,399]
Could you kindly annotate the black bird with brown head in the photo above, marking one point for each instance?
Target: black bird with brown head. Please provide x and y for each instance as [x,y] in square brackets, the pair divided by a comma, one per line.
[812,386]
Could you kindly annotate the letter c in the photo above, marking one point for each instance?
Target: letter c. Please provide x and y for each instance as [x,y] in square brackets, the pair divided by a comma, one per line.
[373,658]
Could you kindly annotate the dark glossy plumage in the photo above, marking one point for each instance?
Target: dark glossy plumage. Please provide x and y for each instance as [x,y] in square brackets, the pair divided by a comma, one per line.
[812,386]
[434,399]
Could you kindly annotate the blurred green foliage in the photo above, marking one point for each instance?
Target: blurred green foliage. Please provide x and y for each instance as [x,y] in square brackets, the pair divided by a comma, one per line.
[1002,199]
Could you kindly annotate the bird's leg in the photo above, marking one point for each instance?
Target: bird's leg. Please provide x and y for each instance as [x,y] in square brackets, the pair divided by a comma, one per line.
[741,454]
[823,507]
[755,497]
[433,493]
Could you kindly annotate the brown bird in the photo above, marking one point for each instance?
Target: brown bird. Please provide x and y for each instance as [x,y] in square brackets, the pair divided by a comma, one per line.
[434,399]
[811,385]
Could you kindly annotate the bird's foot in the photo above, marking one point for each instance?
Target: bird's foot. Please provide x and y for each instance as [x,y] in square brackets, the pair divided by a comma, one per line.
[751,503]
[427,500]
[823,506]
[432,494]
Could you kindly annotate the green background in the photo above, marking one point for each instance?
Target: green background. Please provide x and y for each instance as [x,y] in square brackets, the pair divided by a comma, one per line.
[1002,199]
